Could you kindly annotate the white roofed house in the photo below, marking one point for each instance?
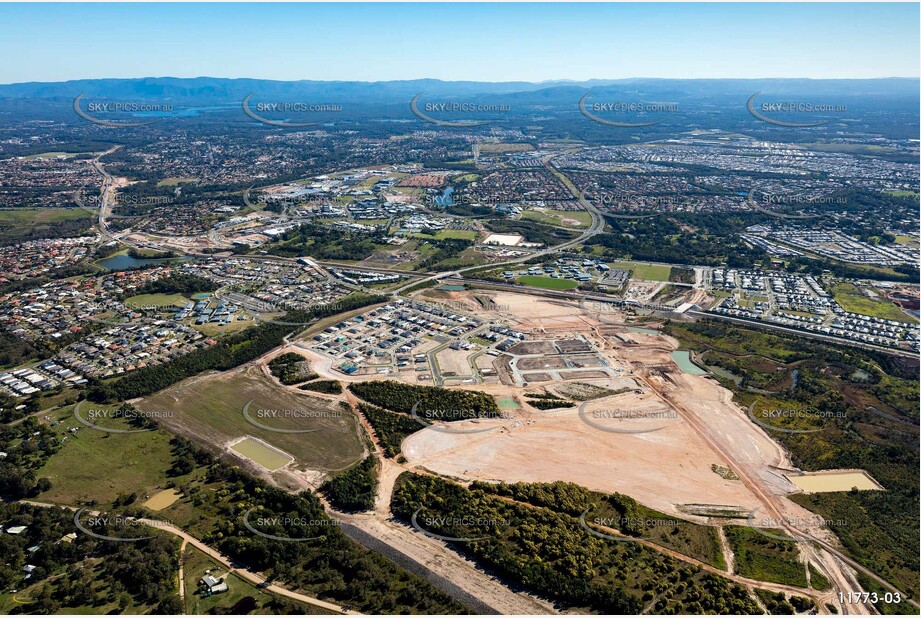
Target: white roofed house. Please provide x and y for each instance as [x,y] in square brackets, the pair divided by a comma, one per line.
[209,585]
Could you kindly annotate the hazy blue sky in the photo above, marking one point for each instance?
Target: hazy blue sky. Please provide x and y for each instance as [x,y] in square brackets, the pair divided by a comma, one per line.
[489,42]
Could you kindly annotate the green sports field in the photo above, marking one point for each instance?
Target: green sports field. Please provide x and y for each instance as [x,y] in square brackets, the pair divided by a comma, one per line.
[549,283]
[650,272]
[444,234]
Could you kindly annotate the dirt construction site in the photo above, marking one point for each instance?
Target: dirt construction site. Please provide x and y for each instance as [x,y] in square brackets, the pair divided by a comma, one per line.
[638,423]
[645,427]
[635,439]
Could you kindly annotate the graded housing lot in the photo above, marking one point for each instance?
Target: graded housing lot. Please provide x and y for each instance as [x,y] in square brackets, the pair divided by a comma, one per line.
[321,435]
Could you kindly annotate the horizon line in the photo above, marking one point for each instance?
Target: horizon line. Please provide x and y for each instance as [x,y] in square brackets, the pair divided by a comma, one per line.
[475,81]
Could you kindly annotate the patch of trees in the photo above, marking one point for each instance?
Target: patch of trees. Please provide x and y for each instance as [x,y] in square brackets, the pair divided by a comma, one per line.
[532,231]
[8,405]
[148,254]
[568,498]
[620,512]
[146,569]
[391,427]
[141,573]
[177,283]
[469,210]
[187,457]
[761,557]
[704,239]
[107,249]
[445,249]
[434,403]
[328,387]
[681,275]
[552,555]
[775,602]
[817,580]
[291,368]
[330,567]
[326,243]
[27,445]
[15,351]
[353,491]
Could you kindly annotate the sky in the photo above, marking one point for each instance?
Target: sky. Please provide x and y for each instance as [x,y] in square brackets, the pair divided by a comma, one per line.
[458,41]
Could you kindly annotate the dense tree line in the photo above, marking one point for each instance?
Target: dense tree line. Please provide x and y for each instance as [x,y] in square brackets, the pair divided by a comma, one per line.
[551,555]
[431,402]
[550,404]
[621,512]
[328,387]
[391,427]
[227,353]
[353,490]
[568,498]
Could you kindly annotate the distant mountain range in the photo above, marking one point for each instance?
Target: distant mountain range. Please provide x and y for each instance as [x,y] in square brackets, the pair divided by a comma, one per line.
[205,90]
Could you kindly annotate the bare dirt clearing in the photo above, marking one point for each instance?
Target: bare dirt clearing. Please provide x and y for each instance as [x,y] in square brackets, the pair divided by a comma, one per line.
[661,468]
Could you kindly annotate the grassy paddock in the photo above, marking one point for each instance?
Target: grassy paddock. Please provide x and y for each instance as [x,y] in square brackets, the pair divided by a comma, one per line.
[95,465]
[561,218]
[213,407]
[852,299]
[549,283]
